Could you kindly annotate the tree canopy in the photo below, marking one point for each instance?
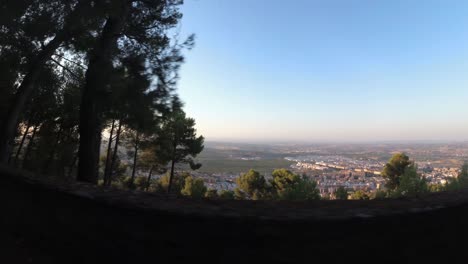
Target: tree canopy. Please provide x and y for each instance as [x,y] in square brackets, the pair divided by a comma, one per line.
[341,193]
[394,169]
[75,70]
[179,140]
[411,183]
[251,185]
[194,187]
[290,186]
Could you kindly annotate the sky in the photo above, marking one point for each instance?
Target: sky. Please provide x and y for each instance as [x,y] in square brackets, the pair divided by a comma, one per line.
[327,70]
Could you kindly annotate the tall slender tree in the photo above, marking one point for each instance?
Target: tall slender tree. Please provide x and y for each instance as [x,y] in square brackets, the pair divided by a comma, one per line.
[180,139]
[97,79]
[132,28]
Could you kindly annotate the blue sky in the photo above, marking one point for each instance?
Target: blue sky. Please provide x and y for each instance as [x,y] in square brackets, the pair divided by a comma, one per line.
[328,70]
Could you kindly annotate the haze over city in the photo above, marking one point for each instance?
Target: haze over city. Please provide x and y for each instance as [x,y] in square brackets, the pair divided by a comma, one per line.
[327,70]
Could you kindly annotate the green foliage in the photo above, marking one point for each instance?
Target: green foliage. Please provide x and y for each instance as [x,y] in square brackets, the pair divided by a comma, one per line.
[411,184]
[179,141]
[438,187]
[211,194]
[153,186]
[257,195]
[341,193]
[194,187]
[285,185]
[140,183]
[239,194]
[283,181]
[394,169]
[46,47]
[379,194]
[290,186]
[119,170]
[306,189]
[178,183]
[360,195]
[128,183]
[463,176]
[325,197]
[454,184]
[250,183]
[150,157]
[226,195]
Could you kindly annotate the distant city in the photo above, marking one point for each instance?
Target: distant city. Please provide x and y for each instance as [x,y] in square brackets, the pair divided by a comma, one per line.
[353,166]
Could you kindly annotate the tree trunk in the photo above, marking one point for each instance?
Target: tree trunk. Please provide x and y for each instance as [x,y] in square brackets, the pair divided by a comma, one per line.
[109,149]
[114,155]
[97,78]
[148,181]
[22,143]
[72,165]
[62,164]
[30,144]
[51,155]
[23,93]
[135,155]
[171,176]
[10,158]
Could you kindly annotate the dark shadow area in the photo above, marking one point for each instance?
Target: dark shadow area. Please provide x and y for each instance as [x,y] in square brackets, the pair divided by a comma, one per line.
[47,223]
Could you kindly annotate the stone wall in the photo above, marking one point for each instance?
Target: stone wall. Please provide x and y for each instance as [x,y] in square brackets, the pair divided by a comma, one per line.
[42,222]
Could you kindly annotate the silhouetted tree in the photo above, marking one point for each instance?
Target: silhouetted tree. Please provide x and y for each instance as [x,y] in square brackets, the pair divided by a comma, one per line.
[226,195]
[179,138]
[71,67]
[394,169]
[132,28]
[46,25]
[341,193]
[153,159]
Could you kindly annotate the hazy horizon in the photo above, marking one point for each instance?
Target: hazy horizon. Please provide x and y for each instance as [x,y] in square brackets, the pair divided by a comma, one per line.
[325,142]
